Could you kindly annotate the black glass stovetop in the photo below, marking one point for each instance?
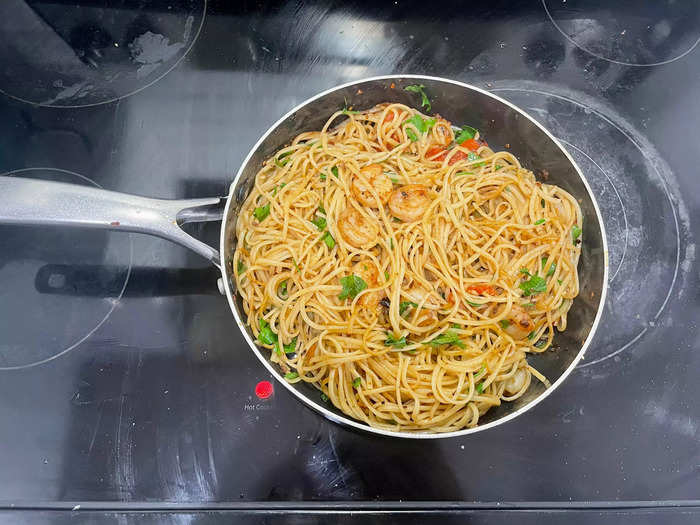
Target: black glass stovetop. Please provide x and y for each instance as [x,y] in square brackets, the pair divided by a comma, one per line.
[124,383]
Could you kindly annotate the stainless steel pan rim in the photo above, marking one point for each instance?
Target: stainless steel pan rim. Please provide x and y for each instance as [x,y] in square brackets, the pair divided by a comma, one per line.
[230,294]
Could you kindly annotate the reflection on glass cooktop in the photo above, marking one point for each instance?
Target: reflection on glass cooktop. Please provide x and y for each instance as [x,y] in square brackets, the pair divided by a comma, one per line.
[123,377]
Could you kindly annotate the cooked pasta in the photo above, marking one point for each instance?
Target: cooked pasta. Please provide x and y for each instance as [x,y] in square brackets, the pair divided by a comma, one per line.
[405,269]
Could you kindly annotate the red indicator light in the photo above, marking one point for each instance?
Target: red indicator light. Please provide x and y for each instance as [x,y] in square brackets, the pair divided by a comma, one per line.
[264,389]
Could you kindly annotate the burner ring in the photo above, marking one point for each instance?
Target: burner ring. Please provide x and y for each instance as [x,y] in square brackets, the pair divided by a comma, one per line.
[55,281]
[613,60]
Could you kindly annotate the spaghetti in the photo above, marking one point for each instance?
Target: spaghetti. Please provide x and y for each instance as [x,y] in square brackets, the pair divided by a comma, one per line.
[404,268]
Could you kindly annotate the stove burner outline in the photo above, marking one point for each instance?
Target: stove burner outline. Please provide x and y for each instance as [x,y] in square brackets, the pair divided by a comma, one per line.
[114,302]
[666,190]
[86,83]
[612,60]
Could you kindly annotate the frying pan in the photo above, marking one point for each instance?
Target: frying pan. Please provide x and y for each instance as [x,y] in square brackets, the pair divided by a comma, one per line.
[25,201]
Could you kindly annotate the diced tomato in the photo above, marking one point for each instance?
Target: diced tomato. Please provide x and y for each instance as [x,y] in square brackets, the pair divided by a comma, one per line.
[436,153]
[471,144]
[481,289]
[389,116]
[457,156]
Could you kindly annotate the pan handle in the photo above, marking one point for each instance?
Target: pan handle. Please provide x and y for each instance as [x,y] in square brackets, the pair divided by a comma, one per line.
[46,203]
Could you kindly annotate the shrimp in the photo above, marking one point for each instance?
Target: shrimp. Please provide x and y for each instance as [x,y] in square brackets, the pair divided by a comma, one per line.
[409,203]
[357,229]
[377,180]
[517,382]
[520,323]
[442,132]
[368,272]
[417,294]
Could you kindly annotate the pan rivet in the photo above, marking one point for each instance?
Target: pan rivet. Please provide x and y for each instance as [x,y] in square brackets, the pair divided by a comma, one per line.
[220,285]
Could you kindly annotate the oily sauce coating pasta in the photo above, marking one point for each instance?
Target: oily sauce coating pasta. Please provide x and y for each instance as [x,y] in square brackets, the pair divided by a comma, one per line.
[405,269]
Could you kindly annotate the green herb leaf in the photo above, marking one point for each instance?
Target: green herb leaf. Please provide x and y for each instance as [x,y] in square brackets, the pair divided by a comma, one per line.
[528,305]
[525,271]
[396,219]
[552,267]
[291,375]
[411,135]
[474,304]
[540,221]
[559,281]
[320,223]
[531,335]
[448,338]
[542,202]
[405,305]
[575,233]
[356,382]
[480,387]
[535,284]
[352,285]
[282,290]
[322,176]
[279,162]
[266,335]
[464,173]
[424,100]
[261,212]
[396,342]
[480,371]
[329,240]
[334,171]
[240,267]
[505,323]
[320,208]
[291,347]
[465,133]
[386,275]
[473,156]
[324,397]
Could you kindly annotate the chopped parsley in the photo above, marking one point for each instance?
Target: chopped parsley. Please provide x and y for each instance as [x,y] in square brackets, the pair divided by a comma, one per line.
[531,335]
[465,133]
[505,323]
[328,239]
[575,233]
[291,347]
[422,125]
[322,176]
[352,285]
[324,397]
[281,160]
[535,284]
[448,338]
[240,267]
[266,335]
[552,267]
[474,304]
[320,208]
[320,223]
[396,342]
[386,275]
[282,290]
[480,387]
[405,305]
[334,171]
[261,212]
[424,100]
[540,221]
[291,375]
[356,382]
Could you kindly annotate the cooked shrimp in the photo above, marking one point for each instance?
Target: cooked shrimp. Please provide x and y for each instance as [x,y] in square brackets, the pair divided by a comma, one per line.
[417,294]
[442,133]
[520,324]
[368,272]
[377,180]
[357,229]
[517,382]
[409,202]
